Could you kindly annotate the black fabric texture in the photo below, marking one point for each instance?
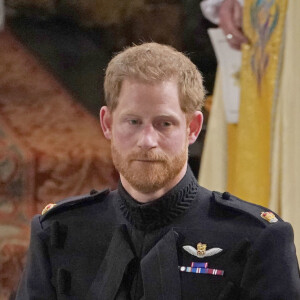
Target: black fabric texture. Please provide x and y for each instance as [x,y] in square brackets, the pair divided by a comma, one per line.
[110,247]
[162,211]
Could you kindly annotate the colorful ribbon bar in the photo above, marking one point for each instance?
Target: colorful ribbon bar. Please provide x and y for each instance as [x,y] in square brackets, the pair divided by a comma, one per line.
[201,270]
[199,265]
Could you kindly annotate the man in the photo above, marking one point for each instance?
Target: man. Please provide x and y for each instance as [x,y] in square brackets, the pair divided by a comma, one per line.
[159,235]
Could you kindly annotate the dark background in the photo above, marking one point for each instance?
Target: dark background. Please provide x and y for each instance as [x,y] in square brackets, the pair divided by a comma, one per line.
[77,54]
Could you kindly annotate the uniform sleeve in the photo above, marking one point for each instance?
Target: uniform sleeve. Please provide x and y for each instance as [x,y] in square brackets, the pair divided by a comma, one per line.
[272,270]
[36,279]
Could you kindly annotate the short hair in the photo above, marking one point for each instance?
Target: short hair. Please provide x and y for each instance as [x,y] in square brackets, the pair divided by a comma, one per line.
[150,63]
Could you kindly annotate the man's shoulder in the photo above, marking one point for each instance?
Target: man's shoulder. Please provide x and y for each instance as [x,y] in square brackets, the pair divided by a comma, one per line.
[257,213]
[75,203]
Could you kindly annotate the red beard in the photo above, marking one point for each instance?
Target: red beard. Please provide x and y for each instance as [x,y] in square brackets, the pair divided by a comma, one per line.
[148,171]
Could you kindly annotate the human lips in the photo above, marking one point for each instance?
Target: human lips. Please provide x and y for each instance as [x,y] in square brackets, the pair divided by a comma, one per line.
[147,157]
[147,160]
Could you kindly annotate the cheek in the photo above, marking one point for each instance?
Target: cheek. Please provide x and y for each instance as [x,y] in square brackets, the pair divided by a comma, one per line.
[122,137]
[174,143]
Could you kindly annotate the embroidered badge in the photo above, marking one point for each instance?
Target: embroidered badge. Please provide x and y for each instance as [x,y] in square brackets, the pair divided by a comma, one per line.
[201,250]
[48,207]
[201,270]
[269,216]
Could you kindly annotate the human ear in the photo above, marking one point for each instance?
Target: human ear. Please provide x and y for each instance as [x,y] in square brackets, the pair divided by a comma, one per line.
[106,121]
[194,126]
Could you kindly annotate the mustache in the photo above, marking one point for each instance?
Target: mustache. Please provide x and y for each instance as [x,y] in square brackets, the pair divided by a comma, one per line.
[148,155]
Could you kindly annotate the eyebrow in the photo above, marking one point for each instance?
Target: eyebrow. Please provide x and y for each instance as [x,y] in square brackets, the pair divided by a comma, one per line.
[163,115]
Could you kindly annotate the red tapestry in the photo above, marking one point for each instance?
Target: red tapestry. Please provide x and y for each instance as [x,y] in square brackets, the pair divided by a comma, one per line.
[50,148]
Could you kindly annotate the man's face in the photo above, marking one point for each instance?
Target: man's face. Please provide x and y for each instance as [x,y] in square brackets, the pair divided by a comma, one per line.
[149,134]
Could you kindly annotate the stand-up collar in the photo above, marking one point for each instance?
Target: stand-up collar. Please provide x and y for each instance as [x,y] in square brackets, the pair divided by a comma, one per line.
[162,211]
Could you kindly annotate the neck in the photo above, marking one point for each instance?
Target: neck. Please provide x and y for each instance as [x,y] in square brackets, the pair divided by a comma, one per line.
[148,197]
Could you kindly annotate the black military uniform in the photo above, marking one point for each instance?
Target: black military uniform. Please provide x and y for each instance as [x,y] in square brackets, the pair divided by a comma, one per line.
[107,246]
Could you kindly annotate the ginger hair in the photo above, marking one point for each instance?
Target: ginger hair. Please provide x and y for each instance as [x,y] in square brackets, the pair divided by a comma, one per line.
[152,63]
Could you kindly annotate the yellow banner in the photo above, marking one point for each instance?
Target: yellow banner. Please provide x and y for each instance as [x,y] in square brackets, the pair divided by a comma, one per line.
[249,141]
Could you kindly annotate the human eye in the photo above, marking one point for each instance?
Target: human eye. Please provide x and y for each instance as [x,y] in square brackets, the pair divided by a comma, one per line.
[133,122]
[166,124]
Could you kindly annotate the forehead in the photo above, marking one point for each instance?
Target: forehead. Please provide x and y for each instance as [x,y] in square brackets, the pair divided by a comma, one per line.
[139,95]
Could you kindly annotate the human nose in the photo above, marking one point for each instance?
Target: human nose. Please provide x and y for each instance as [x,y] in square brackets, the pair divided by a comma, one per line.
[148,138]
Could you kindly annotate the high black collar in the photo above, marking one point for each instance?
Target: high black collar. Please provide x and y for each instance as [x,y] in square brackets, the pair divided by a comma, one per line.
[162,211]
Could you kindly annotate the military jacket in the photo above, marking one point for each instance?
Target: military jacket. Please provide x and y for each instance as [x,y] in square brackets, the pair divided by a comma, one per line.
[107,246]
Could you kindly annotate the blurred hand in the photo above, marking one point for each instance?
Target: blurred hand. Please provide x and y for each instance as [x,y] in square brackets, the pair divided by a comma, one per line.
[231,20]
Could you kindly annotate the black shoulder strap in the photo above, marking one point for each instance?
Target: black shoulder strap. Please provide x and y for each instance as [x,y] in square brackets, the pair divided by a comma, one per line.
[229,201]
[69,202]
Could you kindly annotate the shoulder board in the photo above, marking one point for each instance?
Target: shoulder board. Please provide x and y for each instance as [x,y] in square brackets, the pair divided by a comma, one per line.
[255,211]
[69,202]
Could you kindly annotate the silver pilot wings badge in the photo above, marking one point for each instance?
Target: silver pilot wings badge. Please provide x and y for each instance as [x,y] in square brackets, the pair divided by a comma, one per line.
[201,250]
